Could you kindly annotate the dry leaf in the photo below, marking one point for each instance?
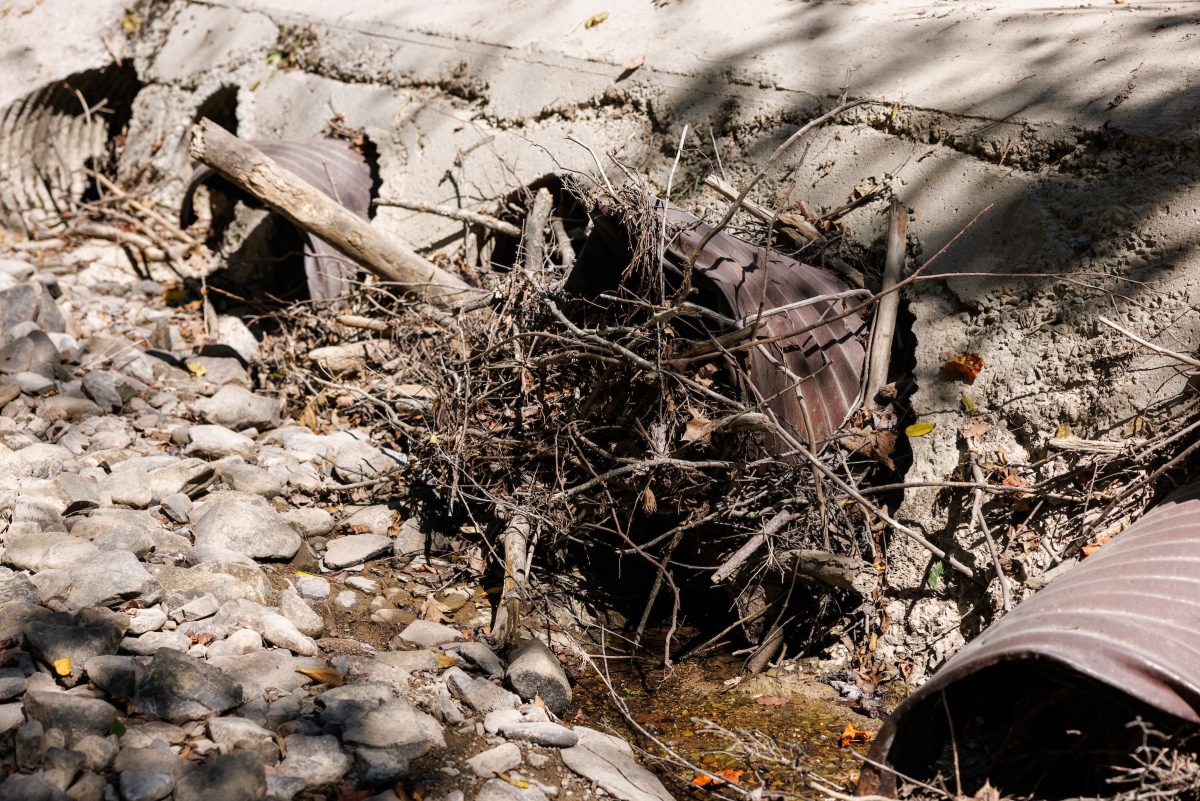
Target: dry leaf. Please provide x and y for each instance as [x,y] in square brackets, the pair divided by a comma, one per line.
[308,419]
[633,65]
[872,442]
[196,369]
[977,430]
[987,792]
[727,776]
[322,675]
[649,502]
[698,428]
[433,610]
[446,661]
[851,735]
[63,666]
[963,368]
[595,19]
[920,429]
[770,700]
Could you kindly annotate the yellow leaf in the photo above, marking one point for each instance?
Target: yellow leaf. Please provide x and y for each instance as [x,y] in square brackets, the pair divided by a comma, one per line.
[596,19]
[304,573]
[63,666]
[196,368]
[322,675]
[518,783]
[130,23]
[445,661]
[919,429]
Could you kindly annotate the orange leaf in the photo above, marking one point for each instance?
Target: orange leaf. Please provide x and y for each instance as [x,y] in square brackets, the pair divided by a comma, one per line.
[851,735]
[699,427]
[728,776]
[322,675]
[770,700]
[963,368]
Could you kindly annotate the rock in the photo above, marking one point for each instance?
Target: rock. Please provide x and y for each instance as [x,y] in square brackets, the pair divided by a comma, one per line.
[177,507]
[498,719]
[248,478]
[397,726]
[231,733]
[116,675]
[225,580]
[410,541]
[352,357]
[28,302]
[230,777]
[302,616]
[551,735]
[312,588]
[608,761]
[108,578]
[346,600]
[500,790]
[29,745]
[73,715]
[32,353]
[80,494]
[129,487]
[246,524]
[264,672]
[479,694]
[242,641]
[191,477]
[363,584]
[238,408]
[98,752]
[12,716]
[30,788]
[45,550]
[358,461]
[500,759]
[374,519]
[15,588]
[217,442]
[206,605]
[354,549]
[67,407]
[317,760]
[40,460]
[534,670]
[309,521]
[274,627]
[12,683]
[50,642]
[149,643]
[379,767]
[178,687]
[33,384]
[112,390]
[429,634]
[233,333]
[137,786]
[480,655]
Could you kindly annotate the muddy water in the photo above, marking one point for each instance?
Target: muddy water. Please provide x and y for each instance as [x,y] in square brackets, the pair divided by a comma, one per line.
[793,710]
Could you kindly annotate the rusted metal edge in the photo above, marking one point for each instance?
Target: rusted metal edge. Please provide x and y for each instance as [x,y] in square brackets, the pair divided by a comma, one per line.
[1127,618]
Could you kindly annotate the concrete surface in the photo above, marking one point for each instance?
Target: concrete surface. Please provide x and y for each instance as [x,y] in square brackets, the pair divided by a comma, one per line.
[1077,125]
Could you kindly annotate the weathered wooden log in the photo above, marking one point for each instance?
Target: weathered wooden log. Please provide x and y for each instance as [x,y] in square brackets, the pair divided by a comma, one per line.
[312,210]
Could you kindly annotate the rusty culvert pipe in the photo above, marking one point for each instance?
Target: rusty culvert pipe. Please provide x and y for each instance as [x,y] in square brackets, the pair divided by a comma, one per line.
[1040,703]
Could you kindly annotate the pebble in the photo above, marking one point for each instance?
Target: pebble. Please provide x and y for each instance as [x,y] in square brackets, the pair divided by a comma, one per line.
[354,549]
[312,588]
[551,735]
[534,671]
[500,759]
[318,760]
[429,634]
[246,524]
[178,688]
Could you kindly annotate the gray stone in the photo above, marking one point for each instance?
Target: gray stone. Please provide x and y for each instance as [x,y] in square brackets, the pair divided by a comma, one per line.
[232,332]
[500,759]
[242,641]
[363,584]
[608,761]
[309,521]
[178,507]
[479,694]
[429,634]
[40,460]
[129,487]
[346,599]
[73,715]
[551,735]
[274,627]
[313,588]
[379,767]
[108,578]
[50,642]
[218,370]
[149,643]
[15,589]
[409,542]
[317,760]
[534,670]
[67,407]
[374,519]
[11,717]
[390,724]
[80,494]
[500,790]
[264,672]
[197,608]
[18,787]
[29,745]
[133,530]
[216,442]
[231,733]
[98,752]
[116,675]
[246,524]
[354,549]
[255,480]
[191,477]
[302,616]
[45,550]
[227,581]
[112,390]
[238,408]
[88,787]
[137,786]
[359,461]
[12,683]
[61,766]
[178,687]
[229,777]
[32,353]
[480,655]
[33,384]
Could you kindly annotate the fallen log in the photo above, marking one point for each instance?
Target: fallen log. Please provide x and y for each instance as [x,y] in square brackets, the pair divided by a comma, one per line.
[310,209]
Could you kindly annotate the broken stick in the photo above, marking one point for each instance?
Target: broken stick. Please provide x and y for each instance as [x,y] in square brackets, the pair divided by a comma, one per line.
[314,211]
[884,328]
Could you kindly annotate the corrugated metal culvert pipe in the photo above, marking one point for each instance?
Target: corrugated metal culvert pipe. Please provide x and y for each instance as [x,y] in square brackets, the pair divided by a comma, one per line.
[1040,703]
